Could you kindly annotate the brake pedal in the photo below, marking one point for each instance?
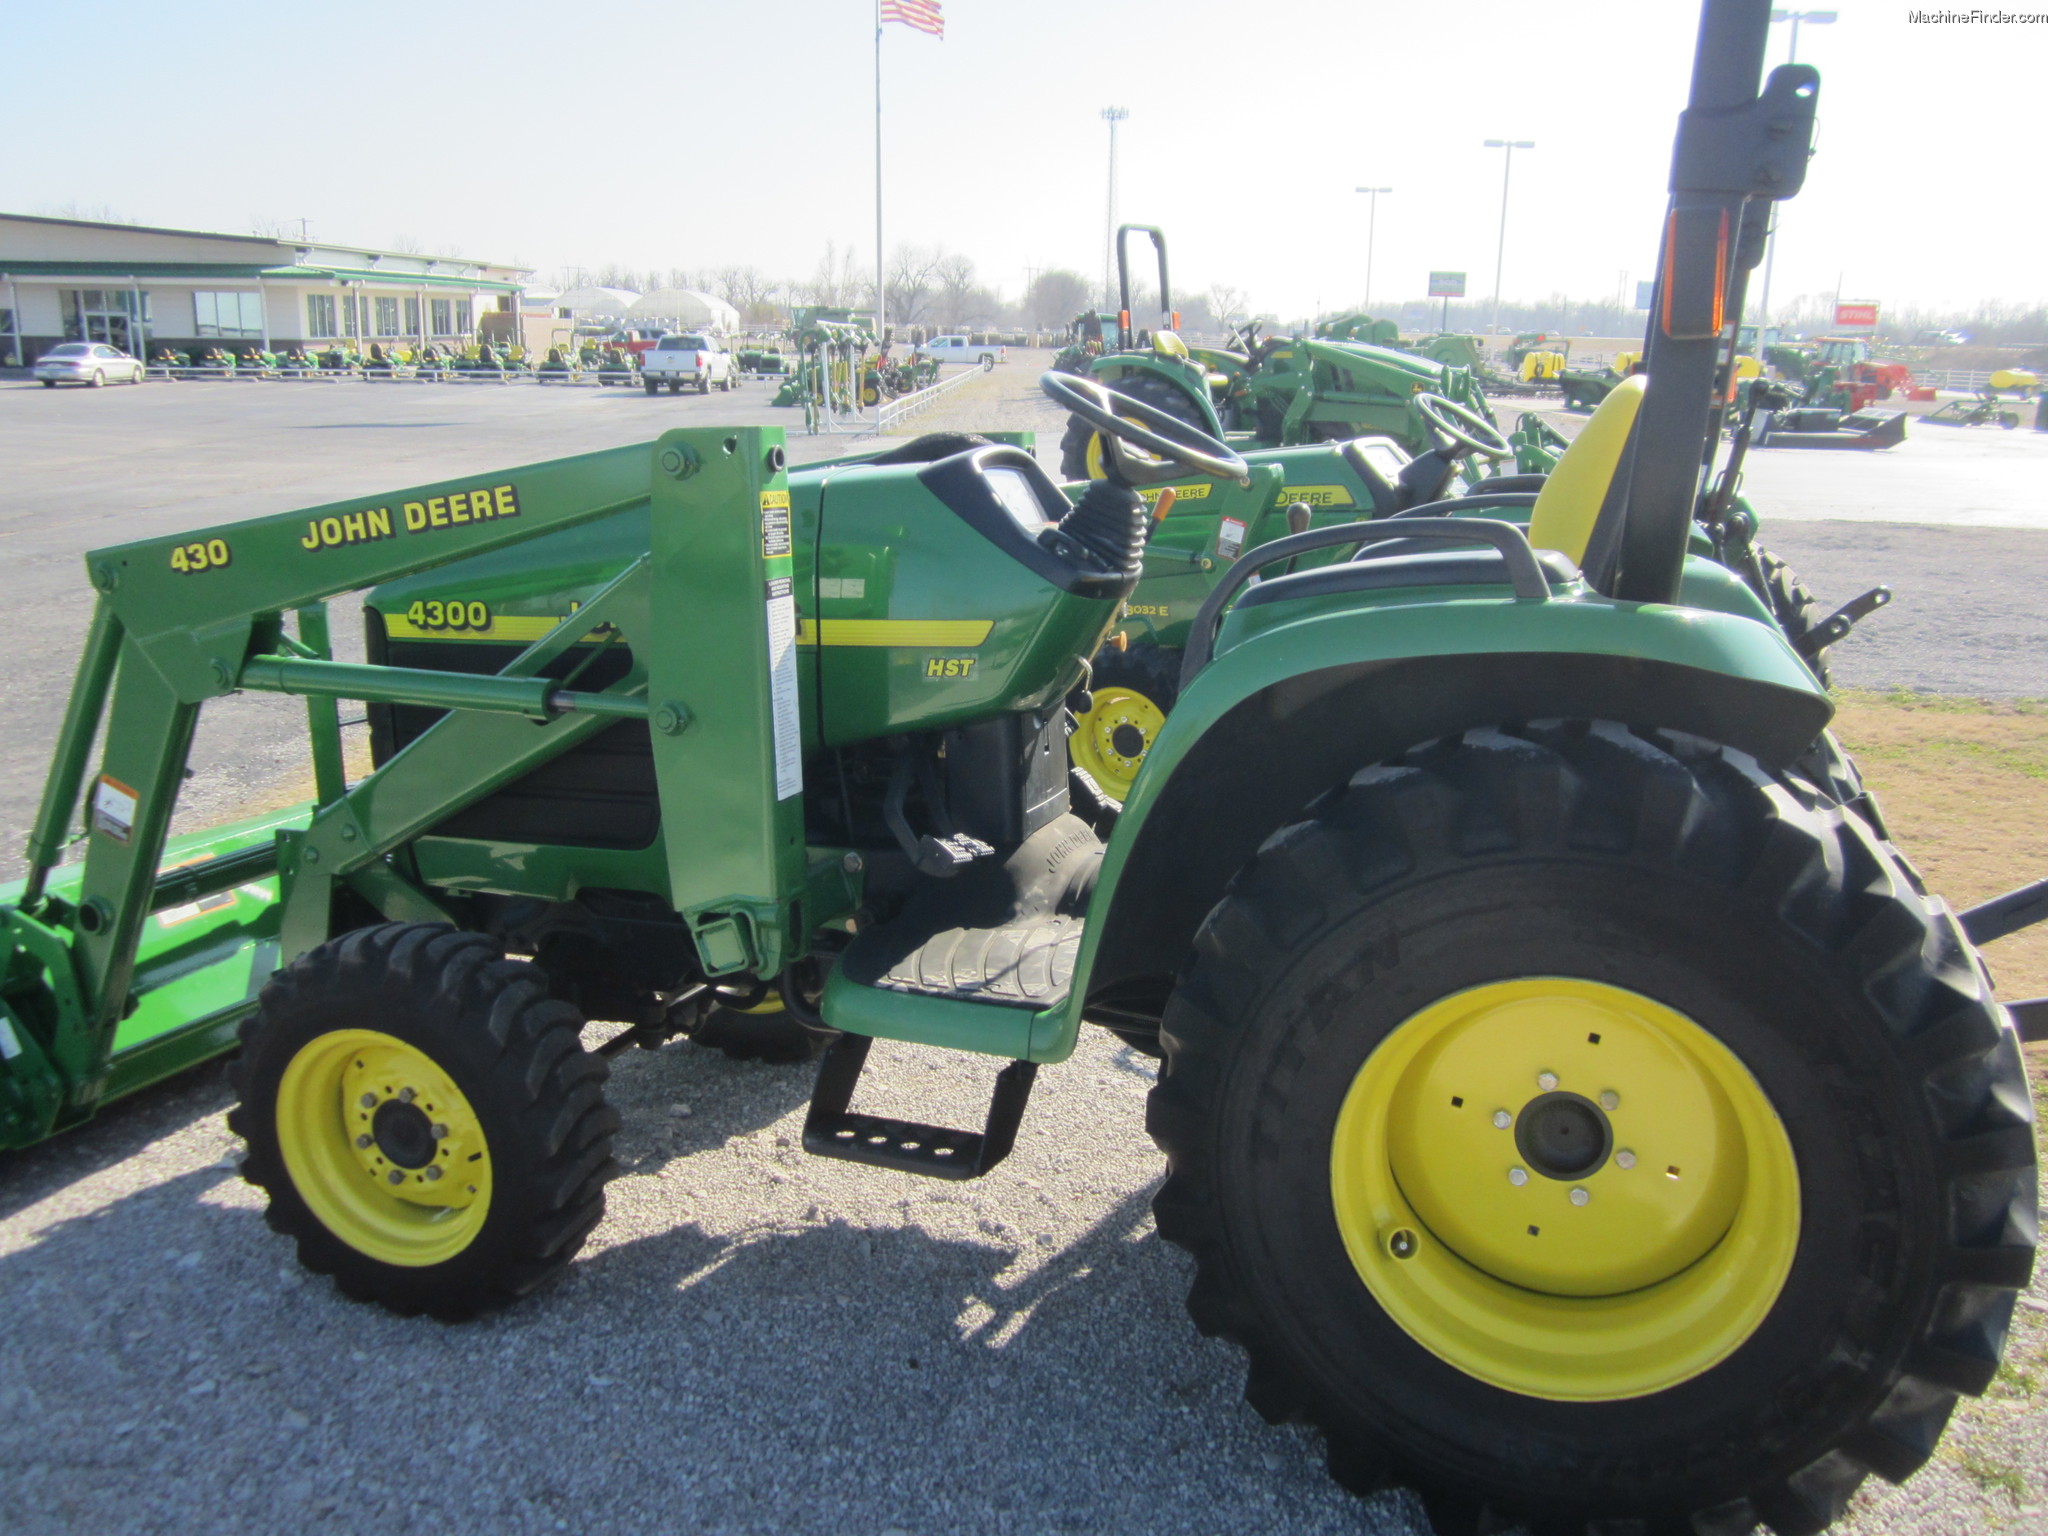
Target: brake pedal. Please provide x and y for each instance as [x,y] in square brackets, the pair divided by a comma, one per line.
[833,1129]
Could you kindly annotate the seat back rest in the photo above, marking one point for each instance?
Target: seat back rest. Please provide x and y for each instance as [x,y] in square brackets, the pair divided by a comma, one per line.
[1575,494]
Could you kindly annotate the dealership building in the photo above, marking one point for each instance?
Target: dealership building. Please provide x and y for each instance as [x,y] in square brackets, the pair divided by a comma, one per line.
[135,287]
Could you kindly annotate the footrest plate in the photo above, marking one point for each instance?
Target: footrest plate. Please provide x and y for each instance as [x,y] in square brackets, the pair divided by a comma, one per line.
[833,1129]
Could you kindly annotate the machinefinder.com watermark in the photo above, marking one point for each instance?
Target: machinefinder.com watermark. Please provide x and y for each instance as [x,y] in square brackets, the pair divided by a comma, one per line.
[1944,18]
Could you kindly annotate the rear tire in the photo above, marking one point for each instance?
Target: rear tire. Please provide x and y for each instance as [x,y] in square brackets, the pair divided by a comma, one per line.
[769,1033]
[1772,926]
[481,1085]
[653,386]
[99,380]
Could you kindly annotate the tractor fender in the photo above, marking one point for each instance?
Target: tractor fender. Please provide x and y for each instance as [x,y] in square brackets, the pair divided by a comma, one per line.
[1291,713]
[1118,366]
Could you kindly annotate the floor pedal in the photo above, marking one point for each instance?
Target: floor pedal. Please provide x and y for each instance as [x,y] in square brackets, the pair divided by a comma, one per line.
[834,1129]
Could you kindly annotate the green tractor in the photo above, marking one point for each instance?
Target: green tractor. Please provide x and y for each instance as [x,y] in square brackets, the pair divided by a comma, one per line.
[1261,392]
[1573,1106]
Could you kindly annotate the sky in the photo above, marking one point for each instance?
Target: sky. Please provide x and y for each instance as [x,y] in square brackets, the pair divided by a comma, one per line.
[693,134]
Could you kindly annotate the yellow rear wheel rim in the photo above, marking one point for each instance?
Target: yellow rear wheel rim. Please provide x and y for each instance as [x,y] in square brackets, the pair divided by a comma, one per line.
[1111,740]
[1484,1211]
[383,1147]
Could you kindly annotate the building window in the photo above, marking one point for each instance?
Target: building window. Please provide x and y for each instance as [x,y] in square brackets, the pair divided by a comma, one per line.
[233,315]
[464,323]
[443,313]
[320,315]
[348,314]
[387,317]
[412,317]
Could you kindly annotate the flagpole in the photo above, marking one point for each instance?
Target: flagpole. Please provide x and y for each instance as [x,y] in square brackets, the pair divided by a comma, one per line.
[880,290]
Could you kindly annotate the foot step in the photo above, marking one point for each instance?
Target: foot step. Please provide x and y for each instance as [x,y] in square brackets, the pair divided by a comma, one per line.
[833,1129]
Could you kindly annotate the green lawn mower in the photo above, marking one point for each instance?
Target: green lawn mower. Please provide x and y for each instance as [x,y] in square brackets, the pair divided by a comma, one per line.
[1573,1106]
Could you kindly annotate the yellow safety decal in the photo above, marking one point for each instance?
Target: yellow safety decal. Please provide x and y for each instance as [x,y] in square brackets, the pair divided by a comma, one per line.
[1318,495]
[1199,491]
[774,499]
[927,633]
[204,555]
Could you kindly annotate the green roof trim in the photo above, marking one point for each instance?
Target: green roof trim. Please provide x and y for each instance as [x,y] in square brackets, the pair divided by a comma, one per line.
[105,271]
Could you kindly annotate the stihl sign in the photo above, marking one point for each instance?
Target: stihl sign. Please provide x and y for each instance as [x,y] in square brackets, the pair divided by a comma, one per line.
[1860,317]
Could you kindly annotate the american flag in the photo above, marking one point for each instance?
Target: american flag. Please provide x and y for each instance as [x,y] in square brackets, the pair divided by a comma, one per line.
[925,15]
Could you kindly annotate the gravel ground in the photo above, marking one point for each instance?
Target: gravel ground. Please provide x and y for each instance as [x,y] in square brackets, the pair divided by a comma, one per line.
[755,1340]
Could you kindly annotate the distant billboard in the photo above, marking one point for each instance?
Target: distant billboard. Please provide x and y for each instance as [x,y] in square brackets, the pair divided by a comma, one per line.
[1447,285]
[1645,294]
[1859,316]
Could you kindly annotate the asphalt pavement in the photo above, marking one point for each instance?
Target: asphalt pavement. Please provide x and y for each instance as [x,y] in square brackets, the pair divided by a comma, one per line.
[754,1340]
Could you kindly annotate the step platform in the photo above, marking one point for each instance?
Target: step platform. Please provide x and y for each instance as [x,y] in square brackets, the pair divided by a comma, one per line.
[1004,934]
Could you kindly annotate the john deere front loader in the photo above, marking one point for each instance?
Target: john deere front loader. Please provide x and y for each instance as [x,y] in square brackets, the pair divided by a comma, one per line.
[1574,1107]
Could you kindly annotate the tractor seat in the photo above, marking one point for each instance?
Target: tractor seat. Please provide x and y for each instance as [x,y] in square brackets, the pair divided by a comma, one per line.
[1382,573]
[1169,344]
[1576,494]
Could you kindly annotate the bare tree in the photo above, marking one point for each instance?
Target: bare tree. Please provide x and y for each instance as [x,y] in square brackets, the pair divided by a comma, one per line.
[958,300]
[837,280]
[1227,303]
[747,289]
[408,245]
[1055,297]
[913,275]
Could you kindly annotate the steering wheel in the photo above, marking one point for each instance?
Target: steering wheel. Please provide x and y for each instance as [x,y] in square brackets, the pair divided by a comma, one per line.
[1165,437]
[1464,426]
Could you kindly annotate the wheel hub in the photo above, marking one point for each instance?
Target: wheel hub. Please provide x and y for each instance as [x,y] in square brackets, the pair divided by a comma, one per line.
[403,1133]
[1563,1135]
[1111,739]
[1126,740]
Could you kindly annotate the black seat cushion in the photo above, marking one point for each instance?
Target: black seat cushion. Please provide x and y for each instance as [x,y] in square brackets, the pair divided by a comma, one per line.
[1379,573]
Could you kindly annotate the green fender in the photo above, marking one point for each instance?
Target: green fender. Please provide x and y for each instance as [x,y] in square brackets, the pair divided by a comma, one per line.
[1191,382]
[1292,711]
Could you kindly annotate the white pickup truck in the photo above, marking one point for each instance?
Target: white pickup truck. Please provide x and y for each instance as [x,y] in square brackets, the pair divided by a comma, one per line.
[958,349]
[694,357]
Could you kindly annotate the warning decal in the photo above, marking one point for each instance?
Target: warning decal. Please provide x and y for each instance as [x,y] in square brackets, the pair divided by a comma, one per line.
[113,808]
[787,729]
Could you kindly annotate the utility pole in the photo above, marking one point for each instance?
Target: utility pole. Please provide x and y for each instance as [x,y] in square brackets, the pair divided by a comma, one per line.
[1763,308]
[1111,116]
[1371,220]
[1501,255]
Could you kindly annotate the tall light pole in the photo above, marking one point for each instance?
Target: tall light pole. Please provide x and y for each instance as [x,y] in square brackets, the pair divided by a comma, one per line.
[1501,255]
[1371,218]
[1111,116]
[1763,308]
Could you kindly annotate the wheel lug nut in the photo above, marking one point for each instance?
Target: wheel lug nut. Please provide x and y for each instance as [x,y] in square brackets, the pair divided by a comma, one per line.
[440,1133]
[1518,1176]
[1580,1197]
[394,1177]
[1402,1244]
[1546,1081]
[1502,1119]
[1624,1158]
[369,1101]
[433,1174]
[363,1142]
[406,1095]
[1609,1099]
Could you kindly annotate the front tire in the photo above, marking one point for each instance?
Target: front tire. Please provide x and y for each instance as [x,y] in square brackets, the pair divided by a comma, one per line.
[1133,691]
[424,1119]
[653,386]
[1824,1109]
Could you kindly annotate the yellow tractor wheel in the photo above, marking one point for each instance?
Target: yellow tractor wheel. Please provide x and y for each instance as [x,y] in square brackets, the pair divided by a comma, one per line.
[424,1119]
[1574,1124]
[1132,692]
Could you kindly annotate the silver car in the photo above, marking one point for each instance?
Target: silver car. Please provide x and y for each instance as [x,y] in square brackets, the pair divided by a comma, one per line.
[86,362]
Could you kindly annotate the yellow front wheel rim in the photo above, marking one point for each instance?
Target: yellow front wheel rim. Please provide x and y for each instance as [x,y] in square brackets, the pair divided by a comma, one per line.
[1111,739]
[1565,1189]
[383,1147]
